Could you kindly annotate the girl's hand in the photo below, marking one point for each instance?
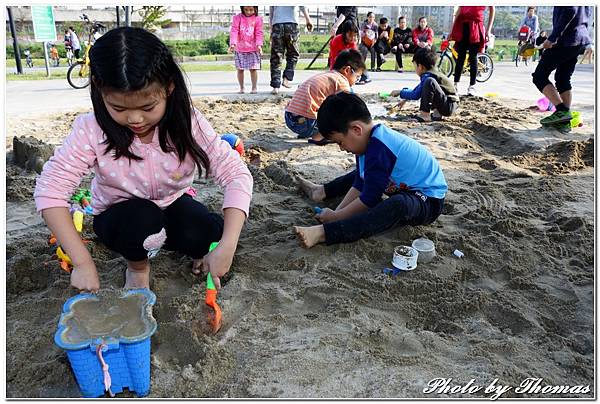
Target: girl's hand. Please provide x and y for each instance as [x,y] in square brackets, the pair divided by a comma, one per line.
[260,50]
[327,215]
[218,262]
[231,48]
[85,277]
[395,93]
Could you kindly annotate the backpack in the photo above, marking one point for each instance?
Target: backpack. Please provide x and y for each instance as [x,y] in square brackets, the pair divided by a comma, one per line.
[369,38]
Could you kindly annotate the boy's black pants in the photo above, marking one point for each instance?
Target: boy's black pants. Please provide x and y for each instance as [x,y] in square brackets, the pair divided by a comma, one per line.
[564,60]
[404,208]
[190,227]
[433,97]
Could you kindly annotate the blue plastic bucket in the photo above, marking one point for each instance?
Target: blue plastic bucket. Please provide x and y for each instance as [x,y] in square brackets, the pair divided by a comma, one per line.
[128,358]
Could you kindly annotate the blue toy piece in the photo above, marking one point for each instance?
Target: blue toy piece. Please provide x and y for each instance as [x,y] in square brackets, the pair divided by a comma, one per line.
[128,358]
[391,271]
[317,210]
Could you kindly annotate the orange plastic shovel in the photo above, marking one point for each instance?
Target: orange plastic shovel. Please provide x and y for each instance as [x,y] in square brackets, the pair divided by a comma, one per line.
[214,316]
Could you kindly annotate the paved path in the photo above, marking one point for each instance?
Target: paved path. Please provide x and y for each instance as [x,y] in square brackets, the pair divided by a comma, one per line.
[51,96]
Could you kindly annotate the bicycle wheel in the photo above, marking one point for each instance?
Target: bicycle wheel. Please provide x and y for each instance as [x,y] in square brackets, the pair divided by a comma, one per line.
[78,75]
[446,64]
[485,67]
[517,60]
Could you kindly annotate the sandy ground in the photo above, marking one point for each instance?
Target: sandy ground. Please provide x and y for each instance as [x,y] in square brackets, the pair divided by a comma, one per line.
[326,322]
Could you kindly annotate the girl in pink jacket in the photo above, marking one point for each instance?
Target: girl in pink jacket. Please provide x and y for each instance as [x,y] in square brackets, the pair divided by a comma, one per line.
[246,41]
[144,142]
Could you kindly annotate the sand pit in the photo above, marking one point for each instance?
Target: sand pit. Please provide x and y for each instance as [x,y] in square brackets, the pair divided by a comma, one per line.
[326,322]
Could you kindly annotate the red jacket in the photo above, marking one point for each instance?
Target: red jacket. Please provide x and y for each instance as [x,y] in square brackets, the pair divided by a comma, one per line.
[473,16]
[336,46]
[425,35]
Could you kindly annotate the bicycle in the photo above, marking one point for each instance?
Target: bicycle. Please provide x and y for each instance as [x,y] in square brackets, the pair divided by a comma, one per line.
[525,47]
[28,58]
[78,74]
[448,59]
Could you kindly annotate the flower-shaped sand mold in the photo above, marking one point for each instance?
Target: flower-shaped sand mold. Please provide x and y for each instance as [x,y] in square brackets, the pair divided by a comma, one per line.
[109,317]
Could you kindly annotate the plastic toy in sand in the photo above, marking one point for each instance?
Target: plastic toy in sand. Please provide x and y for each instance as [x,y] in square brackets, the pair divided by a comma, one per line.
[545,105]
[84,198]
[385,94]
[235,142]
[317,210]
[107,340]
[214,316]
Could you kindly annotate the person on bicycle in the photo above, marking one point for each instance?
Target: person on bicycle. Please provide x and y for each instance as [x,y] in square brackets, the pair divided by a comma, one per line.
[568,39]
[531,21]
[470,35]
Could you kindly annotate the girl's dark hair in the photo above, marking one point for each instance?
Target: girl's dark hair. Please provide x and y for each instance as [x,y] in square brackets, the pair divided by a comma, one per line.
[128,59]
[255,9]
[370,13]
[348,26]
[422,18]
[530,8]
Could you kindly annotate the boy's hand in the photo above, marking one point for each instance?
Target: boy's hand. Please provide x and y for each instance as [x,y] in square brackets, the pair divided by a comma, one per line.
[309,26]
[401,104]
[395,93]
[85,277]
[327,215]
[406,45]
[218,262]
[547,44]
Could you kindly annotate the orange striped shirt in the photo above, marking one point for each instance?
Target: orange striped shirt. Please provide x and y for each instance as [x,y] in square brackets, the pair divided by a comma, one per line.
[310,95]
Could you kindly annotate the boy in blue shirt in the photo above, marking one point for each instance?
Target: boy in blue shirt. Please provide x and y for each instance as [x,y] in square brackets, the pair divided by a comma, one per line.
[435,90]
[386,162]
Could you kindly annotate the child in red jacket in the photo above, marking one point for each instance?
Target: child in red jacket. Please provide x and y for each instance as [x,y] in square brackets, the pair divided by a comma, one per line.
[348,39]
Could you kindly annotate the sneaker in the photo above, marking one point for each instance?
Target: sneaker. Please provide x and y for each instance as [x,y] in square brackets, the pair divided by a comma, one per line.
[400,71]
[471,91]
[557,117]
[378,69]
[365,81]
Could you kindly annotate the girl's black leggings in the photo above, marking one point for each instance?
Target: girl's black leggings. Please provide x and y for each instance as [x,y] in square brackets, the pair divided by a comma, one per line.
[133,227]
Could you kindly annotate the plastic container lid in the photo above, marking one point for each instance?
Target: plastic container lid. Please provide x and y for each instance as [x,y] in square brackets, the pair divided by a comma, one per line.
[423,245]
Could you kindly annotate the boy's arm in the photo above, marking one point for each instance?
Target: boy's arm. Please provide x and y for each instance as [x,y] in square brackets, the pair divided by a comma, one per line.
[566,17]
[379,164]
[352,207]
[415,93]
[307,18]
[490,24]
[350,196]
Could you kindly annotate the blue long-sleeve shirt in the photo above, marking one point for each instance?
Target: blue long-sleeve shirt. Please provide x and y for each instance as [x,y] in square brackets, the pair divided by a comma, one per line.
[394,162]
[415,93]
[570,26]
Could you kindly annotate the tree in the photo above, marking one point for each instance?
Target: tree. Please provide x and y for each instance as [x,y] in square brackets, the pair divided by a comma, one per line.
[152,17]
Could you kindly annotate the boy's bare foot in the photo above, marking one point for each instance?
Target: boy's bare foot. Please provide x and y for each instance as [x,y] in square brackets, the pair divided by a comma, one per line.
[314,191]
[310,236]
[275,91]
[286,83]
[426,116]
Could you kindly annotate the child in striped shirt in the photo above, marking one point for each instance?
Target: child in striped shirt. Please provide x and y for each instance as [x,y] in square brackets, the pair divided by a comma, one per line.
[301,112]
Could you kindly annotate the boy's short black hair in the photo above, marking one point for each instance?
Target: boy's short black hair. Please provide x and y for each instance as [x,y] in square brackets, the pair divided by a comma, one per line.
[425,57]
[401,18]
[383,20]
[349,57]
[338,110]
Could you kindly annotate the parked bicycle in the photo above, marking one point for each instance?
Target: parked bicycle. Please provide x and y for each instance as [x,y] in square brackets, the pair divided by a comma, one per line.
[449,56]
[78,74]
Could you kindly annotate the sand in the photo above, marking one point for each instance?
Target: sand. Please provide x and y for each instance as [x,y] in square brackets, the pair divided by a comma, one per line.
[326,322]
